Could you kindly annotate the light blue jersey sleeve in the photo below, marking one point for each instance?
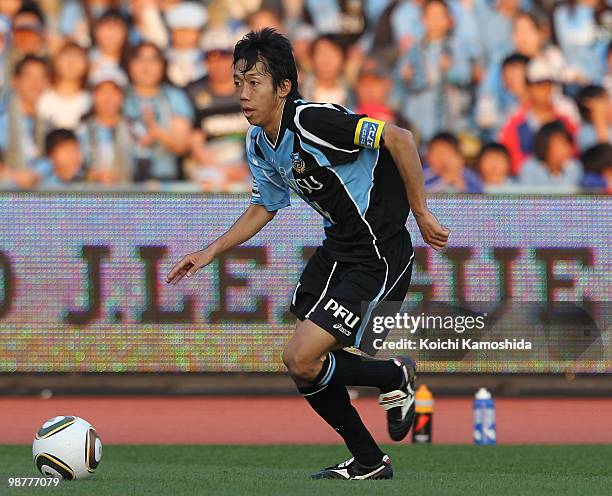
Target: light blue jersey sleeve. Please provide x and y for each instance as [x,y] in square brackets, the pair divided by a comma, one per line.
[269,190]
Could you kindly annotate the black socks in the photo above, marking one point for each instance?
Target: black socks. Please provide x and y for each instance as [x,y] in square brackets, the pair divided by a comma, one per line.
[347,369]
[333,404]
[329,398]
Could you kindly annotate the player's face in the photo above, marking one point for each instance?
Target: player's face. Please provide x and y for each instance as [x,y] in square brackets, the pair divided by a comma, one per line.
[258,95]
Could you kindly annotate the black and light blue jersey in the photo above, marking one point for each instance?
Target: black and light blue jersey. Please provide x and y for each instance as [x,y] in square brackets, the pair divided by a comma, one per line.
[333,159]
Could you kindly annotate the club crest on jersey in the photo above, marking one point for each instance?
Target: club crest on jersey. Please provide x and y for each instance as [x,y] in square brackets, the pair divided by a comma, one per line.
[297,163]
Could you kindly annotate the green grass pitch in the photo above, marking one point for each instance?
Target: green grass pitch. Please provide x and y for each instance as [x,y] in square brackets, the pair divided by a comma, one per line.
[284,470]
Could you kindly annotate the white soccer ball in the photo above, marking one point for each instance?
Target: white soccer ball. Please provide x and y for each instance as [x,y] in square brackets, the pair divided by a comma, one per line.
[67,447]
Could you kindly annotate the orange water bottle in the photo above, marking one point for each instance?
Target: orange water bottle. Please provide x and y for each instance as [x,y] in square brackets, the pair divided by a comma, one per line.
[423,408]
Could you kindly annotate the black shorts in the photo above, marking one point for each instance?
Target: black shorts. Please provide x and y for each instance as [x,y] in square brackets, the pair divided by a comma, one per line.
[341,296]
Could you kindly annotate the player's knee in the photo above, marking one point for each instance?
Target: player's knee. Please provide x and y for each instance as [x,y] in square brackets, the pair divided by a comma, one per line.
[298,365]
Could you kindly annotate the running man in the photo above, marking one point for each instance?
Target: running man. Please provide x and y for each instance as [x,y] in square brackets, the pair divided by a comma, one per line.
[363,176]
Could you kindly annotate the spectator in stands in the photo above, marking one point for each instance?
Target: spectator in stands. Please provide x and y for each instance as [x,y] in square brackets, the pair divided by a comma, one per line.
[265,18]
[595,107]
[5,29]
[67,100]
[78,18]
[445,170]
[8,8]
[607,80]
[492,110]
[166,5]
[148,22]
[221,27]
[399,26]
[433,76]
[344,21]
[27,36]
[185,59]
[518,133]
[529,39]
[64,161]
[493,163]
[160,115]
[302,38]
[576,28]
[326,83]
[597,163]
[22,131]
[553,164]
[104,135]
[372,91]
[218,161]
[110,36]
[495,20]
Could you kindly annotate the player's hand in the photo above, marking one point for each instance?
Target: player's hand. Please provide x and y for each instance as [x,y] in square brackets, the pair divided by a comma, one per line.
[434,234]
[189,265]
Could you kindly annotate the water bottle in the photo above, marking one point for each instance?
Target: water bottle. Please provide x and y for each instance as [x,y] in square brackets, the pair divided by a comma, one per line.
[423,409]
[484,418]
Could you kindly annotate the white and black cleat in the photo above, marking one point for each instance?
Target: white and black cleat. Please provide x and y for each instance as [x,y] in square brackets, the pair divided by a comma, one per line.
[400,402]
[353,470]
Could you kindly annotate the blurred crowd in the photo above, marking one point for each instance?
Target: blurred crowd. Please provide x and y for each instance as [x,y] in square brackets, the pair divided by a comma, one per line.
[502,95]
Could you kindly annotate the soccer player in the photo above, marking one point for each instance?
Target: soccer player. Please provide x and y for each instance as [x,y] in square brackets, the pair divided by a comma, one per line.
[363,176]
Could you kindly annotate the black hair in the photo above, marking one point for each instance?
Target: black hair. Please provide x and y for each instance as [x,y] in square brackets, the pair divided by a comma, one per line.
[492,147]
[515,58]
[57,137]
[113,14]
[34,9]
[541,141]
[597,158]
[30,59]
[274,51]
[448,138]
[586,93]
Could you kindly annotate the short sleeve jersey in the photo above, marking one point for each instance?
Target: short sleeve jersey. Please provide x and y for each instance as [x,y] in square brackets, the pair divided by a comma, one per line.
[334,160]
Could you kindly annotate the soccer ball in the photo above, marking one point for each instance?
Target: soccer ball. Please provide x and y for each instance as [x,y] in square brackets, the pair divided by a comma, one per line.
[67,447]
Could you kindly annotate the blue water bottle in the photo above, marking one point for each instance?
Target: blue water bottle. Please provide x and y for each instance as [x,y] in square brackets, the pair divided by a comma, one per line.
[484,418]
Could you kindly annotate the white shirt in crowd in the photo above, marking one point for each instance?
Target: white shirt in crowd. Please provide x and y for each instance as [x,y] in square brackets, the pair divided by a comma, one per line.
[63,111]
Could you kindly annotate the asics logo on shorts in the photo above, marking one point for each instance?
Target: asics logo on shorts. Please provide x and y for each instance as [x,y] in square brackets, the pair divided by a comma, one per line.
[341,328]
[338,311]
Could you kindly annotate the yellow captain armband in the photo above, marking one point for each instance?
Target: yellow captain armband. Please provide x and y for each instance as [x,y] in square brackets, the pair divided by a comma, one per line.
[369,132]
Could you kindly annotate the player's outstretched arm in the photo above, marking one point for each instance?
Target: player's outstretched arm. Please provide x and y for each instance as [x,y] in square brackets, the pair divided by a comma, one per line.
[248,225]
[402,147]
